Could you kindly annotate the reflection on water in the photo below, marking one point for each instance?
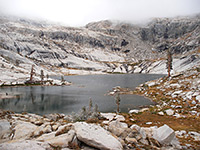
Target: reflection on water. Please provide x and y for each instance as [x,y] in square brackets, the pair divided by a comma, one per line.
[67,99]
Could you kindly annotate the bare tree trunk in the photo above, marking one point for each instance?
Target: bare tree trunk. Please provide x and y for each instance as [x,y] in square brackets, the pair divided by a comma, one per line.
[42,75]
[32,73]
[117,98]
[169,62]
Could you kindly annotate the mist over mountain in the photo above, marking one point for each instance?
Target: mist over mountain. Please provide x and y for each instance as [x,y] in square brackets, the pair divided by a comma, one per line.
[79,12]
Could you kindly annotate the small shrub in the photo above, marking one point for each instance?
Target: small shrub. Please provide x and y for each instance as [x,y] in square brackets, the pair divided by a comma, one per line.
[90,114]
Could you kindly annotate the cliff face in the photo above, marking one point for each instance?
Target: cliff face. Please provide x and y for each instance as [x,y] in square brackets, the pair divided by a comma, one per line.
[180,34]
[102,46]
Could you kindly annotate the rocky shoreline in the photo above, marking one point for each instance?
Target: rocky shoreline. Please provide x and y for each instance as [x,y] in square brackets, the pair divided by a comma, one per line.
[24,81]
[178,102]
[178,96]
[111,131]
[51,82]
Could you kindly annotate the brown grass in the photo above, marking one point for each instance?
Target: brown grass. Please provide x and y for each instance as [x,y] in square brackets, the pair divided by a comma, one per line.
[187,124]
[198,51]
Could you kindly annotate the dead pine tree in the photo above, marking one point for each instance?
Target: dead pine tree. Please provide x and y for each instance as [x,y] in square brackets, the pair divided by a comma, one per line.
[96,109]
[42,75]
[47,76]
[169,62]
[32,73]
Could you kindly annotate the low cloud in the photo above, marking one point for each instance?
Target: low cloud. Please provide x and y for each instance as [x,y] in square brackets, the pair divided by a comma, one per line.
[81,12]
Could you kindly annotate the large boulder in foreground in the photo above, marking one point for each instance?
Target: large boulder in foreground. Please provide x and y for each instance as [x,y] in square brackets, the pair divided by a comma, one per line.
[95,136]
[23,130]
[117,128]
[166,136]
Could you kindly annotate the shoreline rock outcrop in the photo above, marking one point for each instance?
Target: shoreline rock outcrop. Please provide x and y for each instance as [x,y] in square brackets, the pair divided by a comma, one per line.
[20,131]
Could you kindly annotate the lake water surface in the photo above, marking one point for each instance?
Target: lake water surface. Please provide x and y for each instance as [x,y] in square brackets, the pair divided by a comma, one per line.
[68,99]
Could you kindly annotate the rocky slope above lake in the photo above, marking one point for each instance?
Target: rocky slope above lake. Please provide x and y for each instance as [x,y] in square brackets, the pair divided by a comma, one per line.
[99,47]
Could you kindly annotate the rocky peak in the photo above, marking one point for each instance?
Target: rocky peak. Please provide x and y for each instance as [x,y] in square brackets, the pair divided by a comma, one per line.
[99,25]
[169,32]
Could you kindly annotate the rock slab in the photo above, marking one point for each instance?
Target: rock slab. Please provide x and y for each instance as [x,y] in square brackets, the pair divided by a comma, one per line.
[4,129]
[95,136]
[117,128]
[164,135]
[23,130]
[169,112]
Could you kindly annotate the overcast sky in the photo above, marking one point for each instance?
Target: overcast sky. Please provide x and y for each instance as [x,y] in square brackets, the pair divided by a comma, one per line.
[81,12]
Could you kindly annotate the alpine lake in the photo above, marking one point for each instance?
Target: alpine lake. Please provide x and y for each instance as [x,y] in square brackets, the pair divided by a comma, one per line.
[67,99]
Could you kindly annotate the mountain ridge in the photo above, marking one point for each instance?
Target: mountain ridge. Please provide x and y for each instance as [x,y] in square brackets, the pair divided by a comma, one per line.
[99,47]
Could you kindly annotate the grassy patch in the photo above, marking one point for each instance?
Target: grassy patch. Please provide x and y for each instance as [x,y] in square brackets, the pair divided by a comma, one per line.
[188,124]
